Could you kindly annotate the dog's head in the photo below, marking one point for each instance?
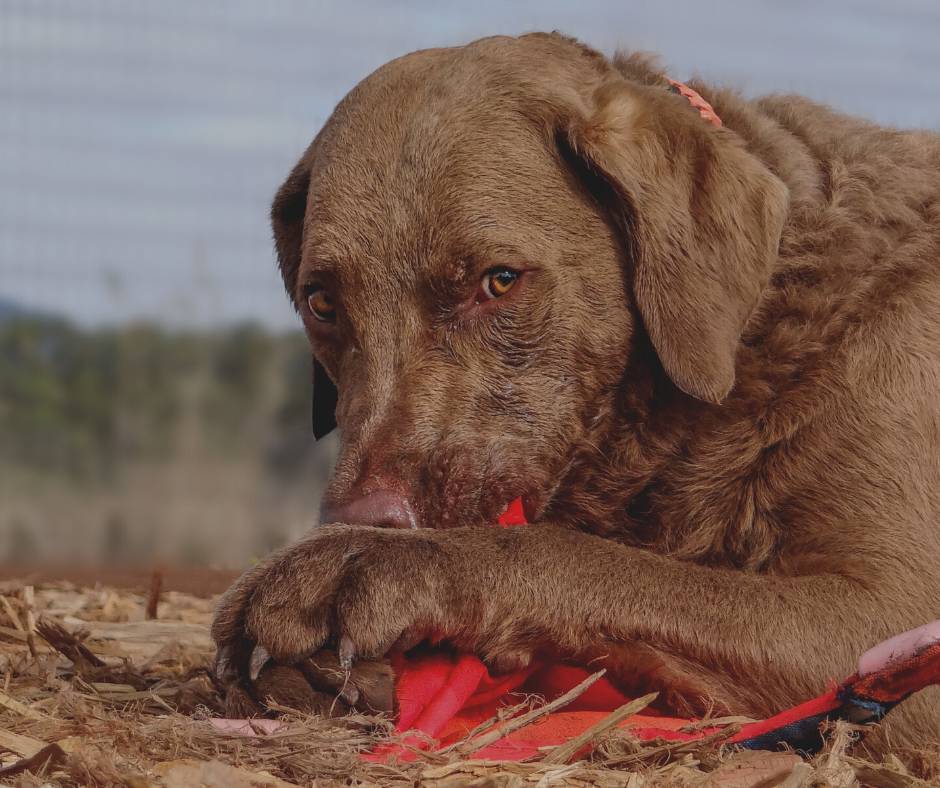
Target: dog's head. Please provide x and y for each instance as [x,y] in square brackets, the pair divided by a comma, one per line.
[475,241]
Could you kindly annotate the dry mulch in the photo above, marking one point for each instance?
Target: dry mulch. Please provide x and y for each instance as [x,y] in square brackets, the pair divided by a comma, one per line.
[93,692]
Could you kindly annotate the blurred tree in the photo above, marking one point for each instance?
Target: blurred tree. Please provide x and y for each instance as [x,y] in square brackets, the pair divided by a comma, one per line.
[22,547]
[131,436]
[291,444]
[240,387]
[82,403]
[85,403]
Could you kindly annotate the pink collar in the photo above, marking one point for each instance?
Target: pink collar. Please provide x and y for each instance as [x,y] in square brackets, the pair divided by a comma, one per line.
[703,107]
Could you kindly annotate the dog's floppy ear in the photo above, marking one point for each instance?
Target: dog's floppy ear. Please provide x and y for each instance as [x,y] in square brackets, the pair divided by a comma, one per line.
[287,221]
[703,219]
[325,397]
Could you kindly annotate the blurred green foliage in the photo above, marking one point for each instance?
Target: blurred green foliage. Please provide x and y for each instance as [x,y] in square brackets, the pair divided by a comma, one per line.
[83,404]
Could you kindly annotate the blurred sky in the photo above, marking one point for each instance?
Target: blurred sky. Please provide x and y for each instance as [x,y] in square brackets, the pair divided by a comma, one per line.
[141,142]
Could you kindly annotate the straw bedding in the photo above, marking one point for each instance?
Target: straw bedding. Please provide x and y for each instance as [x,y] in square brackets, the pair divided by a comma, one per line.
[93,692]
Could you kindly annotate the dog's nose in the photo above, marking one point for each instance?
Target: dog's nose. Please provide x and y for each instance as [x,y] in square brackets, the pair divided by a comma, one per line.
[382,508]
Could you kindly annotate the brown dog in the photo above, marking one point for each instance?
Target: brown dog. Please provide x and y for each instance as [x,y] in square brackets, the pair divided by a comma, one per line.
[708,359]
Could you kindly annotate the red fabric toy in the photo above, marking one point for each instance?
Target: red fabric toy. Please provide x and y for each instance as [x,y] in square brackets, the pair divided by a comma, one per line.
[443,696]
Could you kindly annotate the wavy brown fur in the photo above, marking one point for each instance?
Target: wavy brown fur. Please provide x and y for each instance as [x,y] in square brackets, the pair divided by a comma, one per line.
[717,383]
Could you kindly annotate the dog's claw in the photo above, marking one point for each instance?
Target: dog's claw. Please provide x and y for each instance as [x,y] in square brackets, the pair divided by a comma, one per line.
[259,658]
[349,695]
[408,640]
[511,661]
[346,652]
[223,664]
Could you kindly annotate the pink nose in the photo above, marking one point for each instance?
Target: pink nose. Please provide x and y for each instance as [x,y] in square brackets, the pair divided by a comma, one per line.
[381,508]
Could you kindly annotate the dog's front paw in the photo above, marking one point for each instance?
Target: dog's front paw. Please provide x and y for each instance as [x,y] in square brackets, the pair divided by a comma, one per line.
[360,589]
[363,591]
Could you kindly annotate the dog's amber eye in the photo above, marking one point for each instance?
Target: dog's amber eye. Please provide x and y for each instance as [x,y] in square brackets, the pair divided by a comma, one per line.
[498,281]
[321,305]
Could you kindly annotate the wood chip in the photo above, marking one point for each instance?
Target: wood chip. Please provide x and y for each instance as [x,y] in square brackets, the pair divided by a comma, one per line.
[24,746]
[153,598]
[515,773]
[11,614]
[105,687]
[29,600]
[141,640]
[17,635]
[69,645]
[45,759]
[21,708]
[801,775]
[754,768]
[650,753]
[887,775]
[213,774]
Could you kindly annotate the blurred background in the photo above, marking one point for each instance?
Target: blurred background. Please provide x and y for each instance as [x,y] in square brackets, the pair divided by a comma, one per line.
[154,386]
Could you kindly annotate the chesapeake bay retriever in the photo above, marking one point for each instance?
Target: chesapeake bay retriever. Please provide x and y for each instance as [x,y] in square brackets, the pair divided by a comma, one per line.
[707,358]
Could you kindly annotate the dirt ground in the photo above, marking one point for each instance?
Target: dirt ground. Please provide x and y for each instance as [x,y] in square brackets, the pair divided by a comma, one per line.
[95,693]
[197,581]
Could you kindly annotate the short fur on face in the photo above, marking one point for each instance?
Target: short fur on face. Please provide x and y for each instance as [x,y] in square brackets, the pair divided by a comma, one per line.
[618,203]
